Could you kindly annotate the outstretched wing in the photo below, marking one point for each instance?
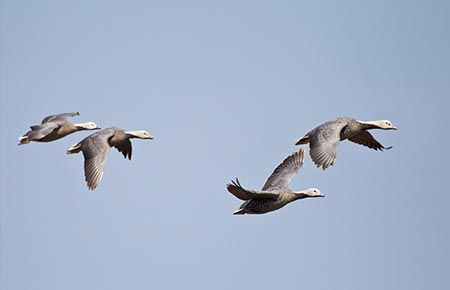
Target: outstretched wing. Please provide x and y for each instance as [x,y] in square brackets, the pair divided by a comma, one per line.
[95,151]
[324,142]
[283,174]
[237,190]
[366,139]
[59,117]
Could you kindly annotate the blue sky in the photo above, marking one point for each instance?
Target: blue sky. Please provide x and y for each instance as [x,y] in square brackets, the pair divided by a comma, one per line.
[226,87]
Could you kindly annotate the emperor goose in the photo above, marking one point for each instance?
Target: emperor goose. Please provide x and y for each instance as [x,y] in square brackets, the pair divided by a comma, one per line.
[275,193]
[55,127]
[96,147]
[324,139]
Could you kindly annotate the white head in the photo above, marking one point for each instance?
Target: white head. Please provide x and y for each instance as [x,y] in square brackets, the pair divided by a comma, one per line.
[311,192]
[141,134]
[386,125]
[87,126]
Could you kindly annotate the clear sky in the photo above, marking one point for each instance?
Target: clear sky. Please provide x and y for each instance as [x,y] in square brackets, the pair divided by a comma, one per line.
[226,87]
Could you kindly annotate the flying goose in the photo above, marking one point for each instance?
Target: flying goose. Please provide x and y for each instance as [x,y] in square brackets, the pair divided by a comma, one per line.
[324,139]
[96,147]
[275,194]
[53,128]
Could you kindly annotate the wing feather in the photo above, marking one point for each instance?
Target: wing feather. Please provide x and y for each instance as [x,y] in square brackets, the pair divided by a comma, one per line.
[283,174]
[237,190]
[366,139]
[95,151]
[59,117]
[324,142]
[125,148]
[40,131]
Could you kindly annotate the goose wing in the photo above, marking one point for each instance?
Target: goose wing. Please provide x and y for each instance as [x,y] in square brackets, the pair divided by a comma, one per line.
[283,174]
[59,117]
[125,148]
[95,151]
[366,139]
[237,190]
[324,141]
[40,131]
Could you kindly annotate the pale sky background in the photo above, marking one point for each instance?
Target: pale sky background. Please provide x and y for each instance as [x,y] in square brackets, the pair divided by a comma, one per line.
[226,87]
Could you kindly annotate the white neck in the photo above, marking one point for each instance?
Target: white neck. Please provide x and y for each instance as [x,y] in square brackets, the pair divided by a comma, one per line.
[81,125]
[373,124]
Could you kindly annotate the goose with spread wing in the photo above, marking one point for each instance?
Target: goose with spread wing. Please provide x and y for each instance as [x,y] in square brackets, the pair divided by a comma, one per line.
[275,193]
[324,139]
[96,147]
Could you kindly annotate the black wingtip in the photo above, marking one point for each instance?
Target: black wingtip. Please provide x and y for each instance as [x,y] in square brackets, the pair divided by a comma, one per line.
[234,182]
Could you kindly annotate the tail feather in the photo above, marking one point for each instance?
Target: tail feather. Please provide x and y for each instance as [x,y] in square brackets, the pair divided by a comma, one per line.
[23,140]
[74,149]
[239,211]
[303,140]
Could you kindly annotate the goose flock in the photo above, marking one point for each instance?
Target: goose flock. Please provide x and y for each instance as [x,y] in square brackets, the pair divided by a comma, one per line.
[95,147]
[323,144]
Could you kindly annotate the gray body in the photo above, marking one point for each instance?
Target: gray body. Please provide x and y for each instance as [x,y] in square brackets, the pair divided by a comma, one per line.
[324,139]
[275,193]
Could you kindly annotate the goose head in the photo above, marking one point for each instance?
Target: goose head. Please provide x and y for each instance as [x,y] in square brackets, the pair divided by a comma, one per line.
[385,125]
[87,126]
[141,134]
[310,192]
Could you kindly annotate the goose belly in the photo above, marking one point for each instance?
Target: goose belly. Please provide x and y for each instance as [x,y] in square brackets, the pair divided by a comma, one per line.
[260,206]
